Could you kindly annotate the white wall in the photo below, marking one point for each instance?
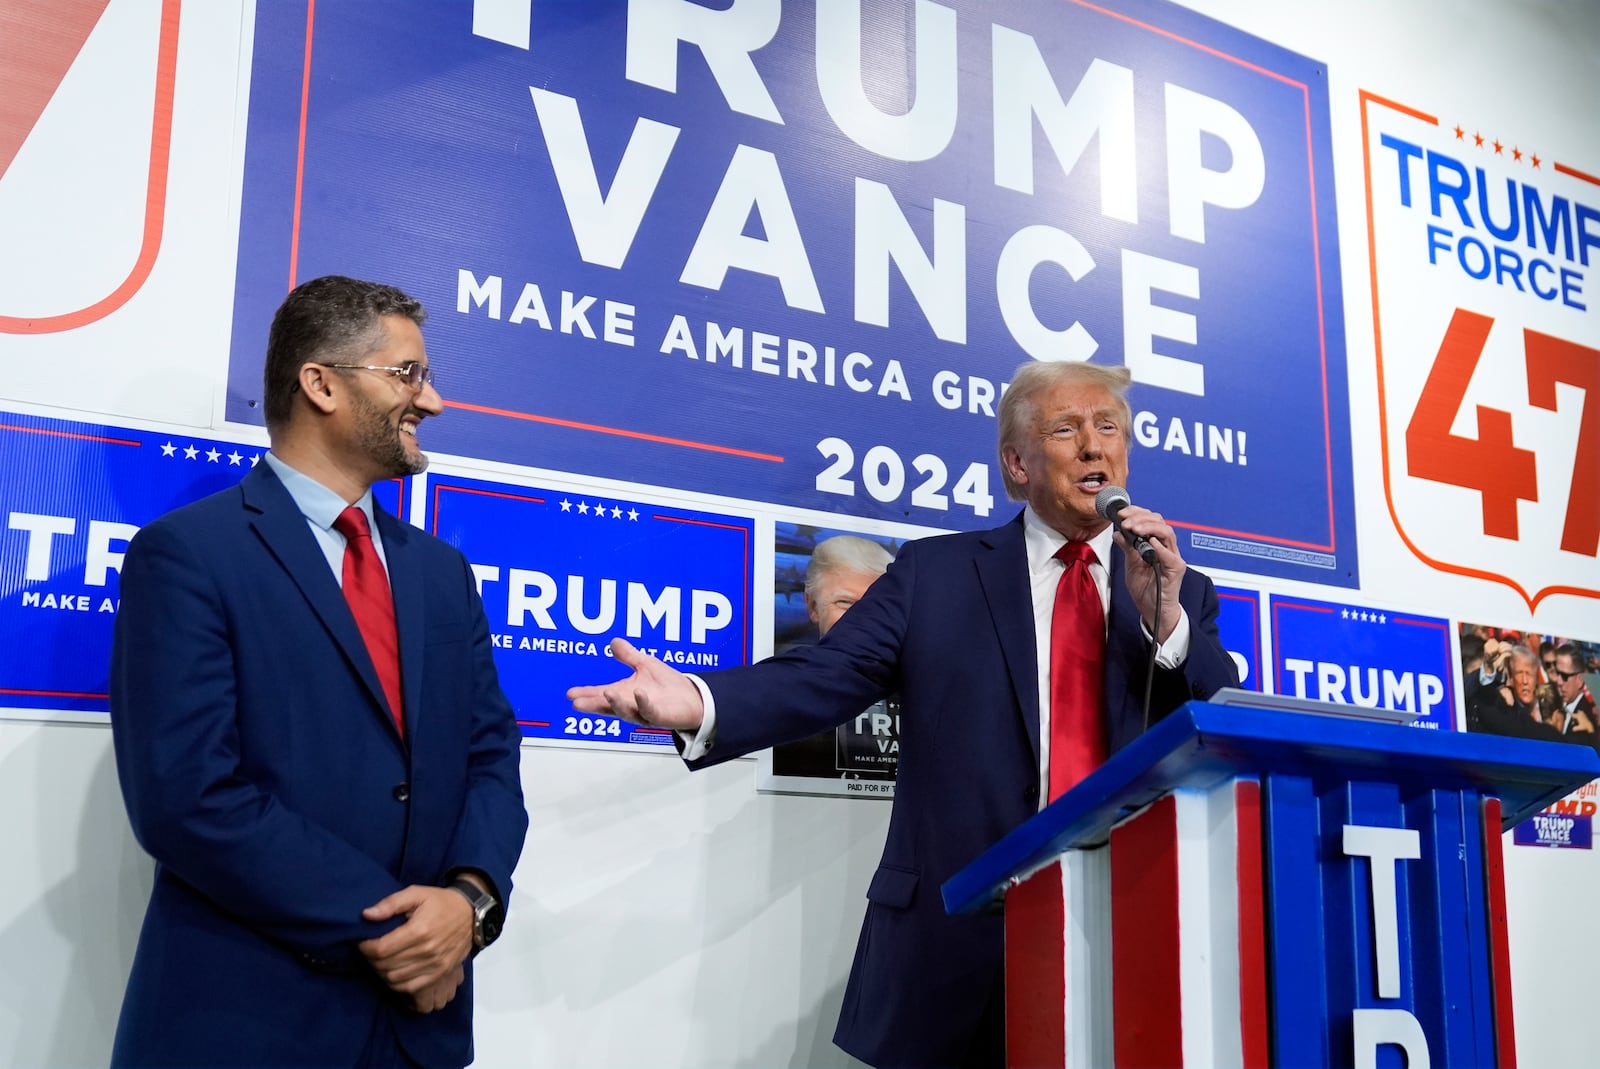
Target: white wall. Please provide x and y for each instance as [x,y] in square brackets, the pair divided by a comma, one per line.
[660,918]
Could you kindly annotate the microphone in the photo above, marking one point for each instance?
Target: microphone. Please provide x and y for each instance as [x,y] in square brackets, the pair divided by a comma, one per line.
[1108,503]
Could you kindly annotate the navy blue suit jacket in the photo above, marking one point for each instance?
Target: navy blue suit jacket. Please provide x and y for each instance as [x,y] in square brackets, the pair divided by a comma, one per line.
[950,627]
[263,772]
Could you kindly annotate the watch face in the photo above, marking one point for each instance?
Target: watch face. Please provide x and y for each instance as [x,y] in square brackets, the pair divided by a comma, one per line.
[490,928]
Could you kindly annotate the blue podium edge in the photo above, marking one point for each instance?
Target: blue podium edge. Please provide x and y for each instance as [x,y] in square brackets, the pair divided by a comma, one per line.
[1201,745]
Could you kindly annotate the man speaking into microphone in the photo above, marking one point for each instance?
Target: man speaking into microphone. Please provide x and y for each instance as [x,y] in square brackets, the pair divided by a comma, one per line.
[1020,655]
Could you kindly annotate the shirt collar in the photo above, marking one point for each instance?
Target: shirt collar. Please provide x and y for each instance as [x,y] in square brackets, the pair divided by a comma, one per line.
[1043,541]
[316,502]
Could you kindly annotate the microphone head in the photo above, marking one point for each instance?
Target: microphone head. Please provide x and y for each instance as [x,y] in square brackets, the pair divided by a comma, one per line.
[1110,501]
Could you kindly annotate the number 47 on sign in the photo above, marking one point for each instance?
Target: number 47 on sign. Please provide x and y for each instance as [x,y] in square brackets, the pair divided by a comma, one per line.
[1492,463]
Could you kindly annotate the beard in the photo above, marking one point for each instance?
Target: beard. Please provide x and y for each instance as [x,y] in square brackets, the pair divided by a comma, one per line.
[379,440]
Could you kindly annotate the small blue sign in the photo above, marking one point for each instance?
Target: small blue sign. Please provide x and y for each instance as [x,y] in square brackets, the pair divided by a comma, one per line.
[561,573]
[1555,829]
[1357,655]
[63,532]
[1239,624]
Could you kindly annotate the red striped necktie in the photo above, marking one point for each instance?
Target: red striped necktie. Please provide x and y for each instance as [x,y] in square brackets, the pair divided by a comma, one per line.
[1077,665]
[366,588]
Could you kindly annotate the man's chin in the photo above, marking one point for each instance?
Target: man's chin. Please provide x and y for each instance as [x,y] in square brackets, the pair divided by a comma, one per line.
[416,463]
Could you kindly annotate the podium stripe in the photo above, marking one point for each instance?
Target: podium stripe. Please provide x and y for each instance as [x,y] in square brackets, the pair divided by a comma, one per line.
[1494,878]
[1036,994]
[1252,928]
[1145,985]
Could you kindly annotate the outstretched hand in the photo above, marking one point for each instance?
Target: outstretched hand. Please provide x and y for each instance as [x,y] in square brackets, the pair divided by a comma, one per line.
[1141,576]
[654,695]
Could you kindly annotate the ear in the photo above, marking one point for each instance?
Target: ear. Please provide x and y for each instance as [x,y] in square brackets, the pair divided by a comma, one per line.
[811,608]
[1012,459]
[318,383]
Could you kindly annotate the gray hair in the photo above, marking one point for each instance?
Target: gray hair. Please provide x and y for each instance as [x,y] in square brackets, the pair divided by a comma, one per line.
[850,552]
[1032,379]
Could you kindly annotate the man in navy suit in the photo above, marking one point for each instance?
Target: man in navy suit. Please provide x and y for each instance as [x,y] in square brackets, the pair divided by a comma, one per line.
[332,797]
[960,626]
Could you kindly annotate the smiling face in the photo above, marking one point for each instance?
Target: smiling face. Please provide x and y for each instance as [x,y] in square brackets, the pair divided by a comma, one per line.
[383,410]
[1071,445]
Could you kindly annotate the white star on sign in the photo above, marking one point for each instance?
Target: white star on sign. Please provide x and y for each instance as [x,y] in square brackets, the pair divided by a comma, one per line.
[234,458]
[616,512]
[168,450]
[190,453]
[633,514]
[213,456]
[599,510]
[254,459]
[583,507]
[566,506]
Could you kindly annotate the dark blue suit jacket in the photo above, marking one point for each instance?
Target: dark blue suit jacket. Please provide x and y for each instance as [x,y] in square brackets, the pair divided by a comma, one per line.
[262,770]
[950,627]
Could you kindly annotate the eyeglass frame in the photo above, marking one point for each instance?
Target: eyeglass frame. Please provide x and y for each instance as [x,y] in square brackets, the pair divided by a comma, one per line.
[1556,673]
[416,379]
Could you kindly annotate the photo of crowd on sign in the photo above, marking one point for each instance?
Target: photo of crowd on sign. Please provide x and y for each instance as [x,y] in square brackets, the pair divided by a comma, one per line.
[1530,685]
[818,574]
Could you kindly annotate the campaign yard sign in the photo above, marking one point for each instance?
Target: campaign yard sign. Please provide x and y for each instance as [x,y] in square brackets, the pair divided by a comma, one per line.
[76,494]
[1358,655]
[561,573]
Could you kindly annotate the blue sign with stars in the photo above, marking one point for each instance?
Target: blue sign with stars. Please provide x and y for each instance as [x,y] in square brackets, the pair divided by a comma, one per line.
[63,535]
[562,573]
[1362,656]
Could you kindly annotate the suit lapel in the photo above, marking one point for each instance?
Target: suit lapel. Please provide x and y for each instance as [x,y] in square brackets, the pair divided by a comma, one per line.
[399,549]
[280,524]
[1003,574]
[1127,651]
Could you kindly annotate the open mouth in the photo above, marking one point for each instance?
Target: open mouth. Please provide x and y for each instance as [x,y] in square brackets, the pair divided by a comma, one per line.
[1092,482]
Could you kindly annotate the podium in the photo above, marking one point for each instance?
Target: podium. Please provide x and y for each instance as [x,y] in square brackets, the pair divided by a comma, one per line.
[1266,888]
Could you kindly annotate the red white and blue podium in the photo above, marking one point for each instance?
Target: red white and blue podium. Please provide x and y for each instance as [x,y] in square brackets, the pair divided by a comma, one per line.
[1263,888]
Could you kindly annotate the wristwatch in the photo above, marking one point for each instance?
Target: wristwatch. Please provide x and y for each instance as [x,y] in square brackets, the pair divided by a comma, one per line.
[488,916]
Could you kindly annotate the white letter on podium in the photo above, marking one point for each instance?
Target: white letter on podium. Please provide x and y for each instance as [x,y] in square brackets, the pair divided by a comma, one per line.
[1384,847]
[1374,1028]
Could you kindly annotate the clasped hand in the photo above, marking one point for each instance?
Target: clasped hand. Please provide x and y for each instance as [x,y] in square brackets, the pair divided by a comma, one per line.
[423,957]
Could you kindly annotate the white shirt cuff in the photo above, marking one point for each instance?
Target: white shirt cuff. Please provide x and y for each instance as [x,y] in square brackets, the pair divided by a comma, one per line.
[1175,650]
[698,743]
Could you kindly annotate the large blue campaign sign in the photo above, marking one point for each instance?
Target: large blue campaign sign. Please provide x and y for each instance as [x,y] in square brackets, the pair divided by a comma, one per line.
[1362,656]
[81,491]
[563,573]
[792,253]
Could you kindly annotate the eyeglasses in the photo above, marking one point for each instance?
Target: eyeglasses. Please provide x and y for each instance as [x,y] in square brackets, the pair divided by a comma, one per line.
[1564,676]
[417,375]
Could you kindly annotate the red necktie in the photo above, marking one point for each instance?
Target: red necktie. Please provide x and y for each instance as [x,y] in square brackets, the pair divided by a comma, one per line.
[366,588]
[1077,655]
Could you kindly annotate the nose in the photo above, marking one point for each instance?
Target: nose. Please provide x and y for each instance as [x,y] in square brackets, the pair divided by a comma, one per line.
[428,400]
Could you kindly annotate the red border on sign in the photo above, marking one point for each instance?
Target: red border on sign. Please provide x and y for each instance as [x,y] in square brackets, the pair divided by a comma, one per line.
[155,197]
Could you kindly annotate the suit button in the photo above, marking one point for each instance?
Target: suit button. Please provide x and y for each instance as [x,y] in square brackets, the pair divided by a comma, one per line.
[402,792]
[1030,793]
